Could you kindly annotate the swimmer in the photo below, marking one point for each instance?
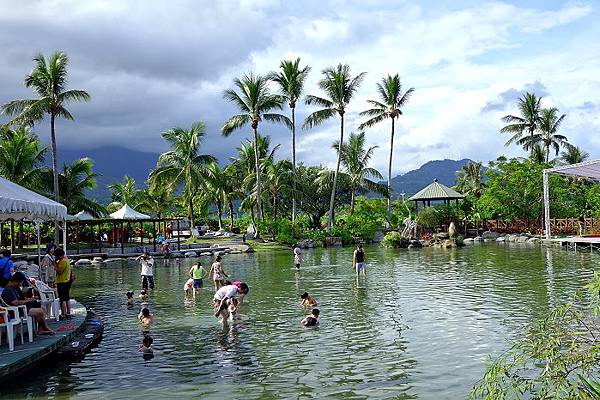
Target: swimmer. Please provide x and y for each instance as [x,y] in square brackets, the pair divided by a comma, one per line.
[307,300]
[146,319]
[188,287]
[312,319]
[130,298]
[146,346]
[143,295]
[297,256]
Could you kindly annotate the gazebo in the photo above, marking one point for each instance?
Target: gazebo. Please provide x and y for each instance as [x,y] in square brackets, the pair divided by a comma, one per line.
[587,169]
[21,204]
[435,192]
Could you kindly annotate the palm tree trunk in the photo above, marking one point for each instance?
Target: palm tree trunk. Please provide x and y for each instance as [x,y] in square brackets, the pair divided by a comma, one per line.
[230,205]
[219,213]
[257,166]
[330,221]
[54,171]
[352,201]
[547,153]
[191,212]
[275,205]
[389,199]
[294,164]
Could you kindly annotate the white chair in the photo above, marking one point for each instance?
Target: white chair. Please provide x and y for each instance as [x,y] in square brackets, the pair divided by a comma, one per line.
[48,298]
[22,318]
[8,324]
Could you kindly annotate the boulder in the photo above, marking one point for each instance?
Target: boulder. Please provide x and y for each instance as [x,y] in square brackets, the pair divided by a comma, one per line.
[307,244]
[478,239]
[97,260]
[452,230]
[378,237]
[501,239]
[190,254]
[522,239]
[415,243]
[490,235]
[511,238]
[83,261]
[533,240]
[441,236]
[469,241]
[206,253]
[333,241]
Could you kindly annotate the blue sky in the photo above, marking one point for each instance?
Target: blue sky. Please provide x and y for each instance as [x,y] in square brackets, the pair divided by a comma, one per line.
[150,66]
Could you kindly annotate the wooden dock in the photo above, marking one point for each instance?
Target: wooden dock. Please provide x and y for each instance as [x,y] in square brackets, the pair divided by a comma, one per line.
[28,355]
[577,242]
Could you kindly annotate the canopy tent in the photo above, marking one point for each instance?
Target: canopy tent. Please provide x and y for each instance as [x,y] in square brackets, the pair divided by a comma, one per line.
[587,169]
[18,203]
[127,212]
[80,216]
[435,192]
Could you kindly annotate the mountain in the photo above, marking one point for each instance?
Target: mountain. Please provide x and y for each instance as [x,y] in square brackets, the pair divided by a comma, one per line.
[112,163]
[442,170]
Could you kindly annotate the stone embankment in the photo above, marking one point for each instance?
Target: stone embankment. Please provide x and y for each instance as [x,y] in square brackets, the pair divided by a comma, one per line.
[489,236]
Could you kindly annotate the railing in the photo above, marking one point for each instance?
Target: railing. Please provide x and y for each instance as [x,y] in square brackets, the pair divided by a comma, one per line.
[558,226]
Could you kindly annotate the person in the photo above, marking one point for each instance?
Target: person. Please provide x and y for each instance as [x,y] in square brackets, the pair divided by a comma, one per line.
[63,282]
[160,239]
[197,273]
[188,287]
[146,346]
[169,231]
[130,299]
[47,271]
[297,256]
[223,296]
[218,273]
[307,300]
[6,267]
[358,260]
[147,262]
[145,318]
[13,296]
[143,295]
[312,319]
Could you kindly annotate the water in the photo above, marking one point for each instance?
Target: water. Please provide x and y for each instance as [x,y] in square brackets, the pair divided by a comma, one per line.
[421,325]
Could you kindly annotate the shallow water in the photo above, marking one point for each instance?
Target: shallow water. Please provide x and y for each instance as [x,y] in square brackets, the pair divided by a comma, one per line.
[420,325]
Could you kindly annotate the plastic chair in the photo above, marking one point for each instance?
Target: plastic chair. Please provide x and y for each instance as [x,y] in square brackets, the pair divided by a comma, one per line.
[23,319]
[9,324]
[48,298]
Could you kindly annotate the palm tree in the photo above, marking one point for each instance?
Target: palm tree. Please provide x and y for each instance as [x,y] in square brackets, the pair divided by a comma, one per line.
[538,154]
[21,157]
[469,179]
[548,136]
[48,79]
[277,180]
[355,159]
[530,107]
[74,181]
[339,87]
[124,192]
[256,102]
[574,155]
[155,199]
[183,165]
[390,104]
[291,83]
[216,188]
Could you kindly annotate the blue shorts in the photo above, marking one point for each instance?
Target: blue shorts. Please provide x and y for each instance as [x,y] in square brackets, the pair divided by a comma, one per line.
[198,283]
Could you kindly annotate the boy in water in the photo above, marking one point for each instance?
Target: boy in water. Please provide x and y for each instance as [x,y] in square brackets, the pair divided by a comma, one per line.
[143,295]
[188,287]
[130,299]
[146,319]
[223,299]
[297,256]
[307,300]
[197,273]
[146,346]
[312,319]
[358,260]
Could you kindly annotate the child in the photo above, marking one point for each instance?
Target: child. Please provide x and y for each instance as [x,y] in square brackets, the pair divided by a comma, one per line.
[129,298]
[218,273]
[143,295]
[232,309]
[145,318]
[197,274]
[297,256]
[312,319]
[146,346]
[308,301]
[188,287]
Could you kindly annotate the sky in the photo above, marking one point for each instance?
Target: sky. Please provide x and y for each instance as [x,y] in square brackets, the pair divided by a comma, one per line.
[154,65]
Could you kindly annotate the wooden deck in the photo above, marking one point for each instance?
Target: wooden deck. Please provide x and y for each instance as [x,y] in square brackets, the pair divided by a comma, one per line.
[577,241]
[28,355]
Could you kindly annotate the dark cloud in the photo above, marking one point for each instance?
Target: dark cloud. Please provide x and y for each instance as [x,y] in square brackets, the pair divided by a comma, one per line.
[509,97]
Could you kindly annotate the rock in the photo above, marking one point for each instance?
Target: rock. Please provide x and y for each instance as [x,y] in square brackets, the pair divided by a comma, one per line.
[490,235]
[522,239]
[500,239]
[333,241]
[190,254]
[511,238]
[415,243]
[411,246]
[206,253]
[97,260]
[378,237]
[486,240]
[236,251]
[83,261]
[441,236]
[250,232]
[452,230]
[469,241]
[478,239]
[533,240]
[307,244]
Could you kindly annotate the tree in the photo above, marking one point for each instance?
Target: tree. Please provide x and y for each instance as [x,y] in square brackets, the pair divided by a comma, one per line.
[548,136]
[528,122]
[183,166]
[75,180]
[124,192]
[339,87]
[469,180]
[48,79]
[255,101]
[155,200]
[278,177]
[389,106]
[573,155]
[356,158]
[291,83]
[21,157]
[216,188]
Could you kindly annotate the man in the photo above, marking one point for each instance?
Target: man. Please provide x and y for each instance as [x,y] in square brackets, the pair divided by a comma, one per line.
[6,267]
[147,277]
[13,296]
[224,296]
[358,260]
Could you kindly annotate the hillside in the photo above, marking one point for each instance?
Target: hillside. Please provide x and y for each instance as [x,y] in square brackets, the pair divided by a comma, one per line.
[415,180]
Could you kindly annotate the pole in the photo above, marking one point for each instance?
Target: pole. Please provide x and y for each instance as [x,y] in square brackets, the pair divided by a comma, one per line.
[178,236]
[154,234]
[65,236]
[122,236]
[547,205]
[37,231]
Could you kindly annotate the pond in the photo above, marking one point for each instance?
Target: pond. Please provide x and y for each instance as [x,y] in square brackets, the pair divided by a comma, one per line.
[420,325]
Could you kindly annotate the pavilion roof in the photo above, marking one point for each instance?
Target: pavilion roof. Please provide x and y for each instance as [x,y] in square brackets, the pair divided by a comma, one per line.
[436,191]
[586,169]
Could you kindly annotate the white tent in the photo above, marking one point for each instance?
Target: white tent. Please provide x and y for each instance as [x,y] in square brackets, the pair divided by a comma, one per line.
[127,212]
[587,169]
[80,216]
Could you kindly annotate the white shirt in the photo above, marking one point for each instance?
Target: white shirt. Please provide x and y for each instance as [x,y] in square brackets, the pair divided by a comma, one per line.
[226,292]
[297,256]
[147,266]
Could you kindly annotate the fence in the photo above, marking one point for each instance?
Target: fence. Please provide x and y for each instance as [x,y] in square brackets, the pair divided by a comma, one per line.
[558,226]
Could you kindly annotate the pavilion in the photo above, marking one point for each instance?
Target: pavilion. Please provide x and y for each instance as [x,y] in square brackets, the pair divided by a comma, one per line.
[435,192]
[587,169]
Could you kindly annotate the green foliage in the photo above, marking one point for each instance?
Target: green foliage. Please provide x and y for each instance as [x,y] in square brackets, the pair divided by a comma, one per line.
[557,358]
[368,217]
[392,239]
[429,217]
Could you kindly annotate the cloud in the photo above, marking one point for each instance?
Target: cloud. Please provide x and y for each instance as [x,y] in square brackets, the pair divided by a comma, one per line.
[509,97]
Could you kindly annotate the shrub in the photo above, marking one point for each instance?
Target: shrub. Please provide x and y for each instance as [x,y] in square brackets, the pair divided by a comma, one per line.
[392,239]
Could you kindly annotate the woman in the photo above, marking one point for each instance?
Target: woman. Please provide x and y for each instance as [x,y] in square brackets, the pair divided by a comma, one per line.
[63,282]
[47,272]
[218,273]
